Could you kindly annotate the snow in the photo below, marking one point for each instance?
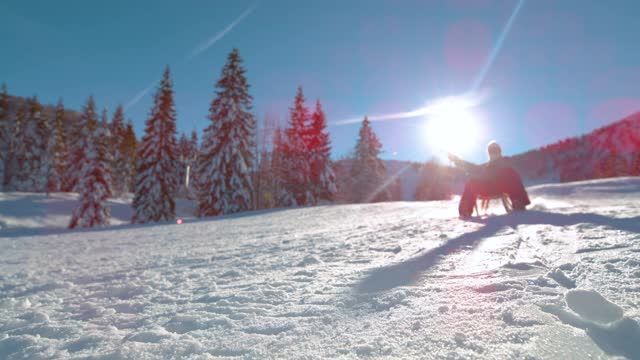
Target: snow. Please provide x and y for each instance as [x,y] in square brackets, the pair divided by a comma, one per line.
[385,280]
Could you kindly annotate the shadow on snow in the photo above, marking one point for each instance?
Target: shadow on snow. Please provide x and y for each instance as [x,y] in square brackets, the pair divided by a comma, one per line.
[409,271]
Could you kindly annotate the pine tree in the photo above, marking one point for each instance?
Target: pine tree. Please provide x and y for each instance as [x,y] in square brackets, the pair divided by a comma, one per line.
[44,141]
[226,159]
[119,160]
[368,171]
[104,143]
[94,187]
[322,177]
[31,145]
[155,185]
[79,144]
[60,151]
[129,153]
[17,150]
[296,170]
[5,135]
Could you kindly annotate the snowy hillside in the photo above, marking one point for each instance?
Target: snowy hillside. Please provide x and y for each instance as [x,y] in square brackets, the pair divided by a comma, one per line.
[387,280]
[39,214]
[613,150]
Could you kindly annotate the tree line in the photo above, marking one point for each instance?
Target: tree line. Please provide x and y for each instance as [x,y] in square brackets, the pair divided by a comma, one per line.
[227,172]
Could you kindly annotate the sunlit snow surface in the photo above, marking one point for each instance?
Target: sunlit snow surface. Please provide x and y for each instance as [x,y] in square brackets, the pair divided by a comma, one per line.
[394,280]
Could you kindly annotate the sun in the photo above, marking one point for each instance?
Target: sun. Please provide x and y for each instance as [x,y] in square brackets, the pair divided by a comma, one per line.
[451,126]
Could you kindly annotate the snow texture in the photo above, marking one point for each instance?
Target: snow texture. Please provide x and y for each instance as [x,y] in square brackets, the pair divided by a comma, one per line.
[386,280]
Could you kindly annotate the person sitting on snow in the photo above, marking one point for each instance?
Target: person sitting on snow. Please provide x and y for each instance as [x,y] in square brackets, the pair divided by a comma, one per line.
[493,179]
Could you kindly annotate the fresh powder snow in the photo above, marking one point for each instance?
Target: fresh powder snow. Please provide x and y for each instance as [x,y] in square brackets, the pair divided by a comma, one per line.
[386,280]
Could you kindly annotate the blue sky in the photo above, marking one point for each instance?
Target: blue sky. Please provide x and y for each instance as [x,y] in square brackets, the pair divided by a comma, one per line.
[565,67]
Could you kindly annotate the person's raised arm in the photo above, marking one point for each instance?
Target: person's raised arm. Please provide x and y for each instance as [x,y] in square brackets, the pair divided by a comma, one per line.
[465,165]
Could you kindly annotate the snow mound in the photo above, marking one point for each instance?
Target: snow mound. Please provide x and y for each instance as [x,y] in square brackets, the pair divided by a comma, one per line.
[603,321]
[593,307]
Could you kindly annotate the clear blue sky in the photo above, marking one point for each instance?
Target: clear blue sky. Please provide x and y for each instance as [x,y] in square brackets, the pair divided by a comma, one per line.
[565,68]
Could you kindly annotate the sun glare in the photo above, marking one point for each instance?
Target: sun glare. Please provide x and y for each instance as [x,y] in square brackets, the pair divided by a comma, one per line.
[451,126]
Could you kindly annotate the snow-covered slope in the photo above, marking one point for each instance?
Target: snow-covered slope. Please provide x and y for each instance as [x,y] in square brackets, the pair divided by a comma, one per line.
[613,150]
[389,280]
[41,214]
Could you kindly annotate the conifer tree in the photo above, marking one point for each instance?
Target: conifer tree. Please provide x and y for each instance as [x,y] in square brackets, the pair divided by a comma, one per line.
[31,145]
[130,154]
[119,161]
[155,185]
[368,171]
[81,132]
[44,141]
[323,178]
[226,159]
[94,185]
[59,151]
[295,160]
[16,156]
[5,135]
[192,189]
[104,142]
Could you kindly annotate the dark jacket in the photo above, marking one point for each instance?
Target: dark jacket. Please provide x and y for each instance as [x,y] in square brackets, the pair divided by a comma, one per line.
[488,171]
[491,179]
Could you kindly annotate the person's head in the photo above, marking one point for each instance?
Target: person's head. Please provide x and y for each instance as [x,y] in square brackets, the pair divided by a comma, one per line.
[494,150]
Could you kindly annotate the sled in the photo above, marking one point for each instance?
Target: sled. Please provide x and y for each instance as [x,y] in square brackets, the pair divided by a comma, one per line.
[485,201]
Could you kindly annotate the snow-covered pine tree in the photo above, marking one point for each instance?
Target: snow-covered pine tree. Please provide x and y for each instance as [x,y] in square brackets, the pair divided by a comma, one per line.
[44,141]
[15,157]
[60,151]
[296,179]
[5,135]
[323,178]
[130,153]
[30,149]
[226,159]
[368,171]
[120,162]
[104,142]
[79,143]
[94,187]
[156,185]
